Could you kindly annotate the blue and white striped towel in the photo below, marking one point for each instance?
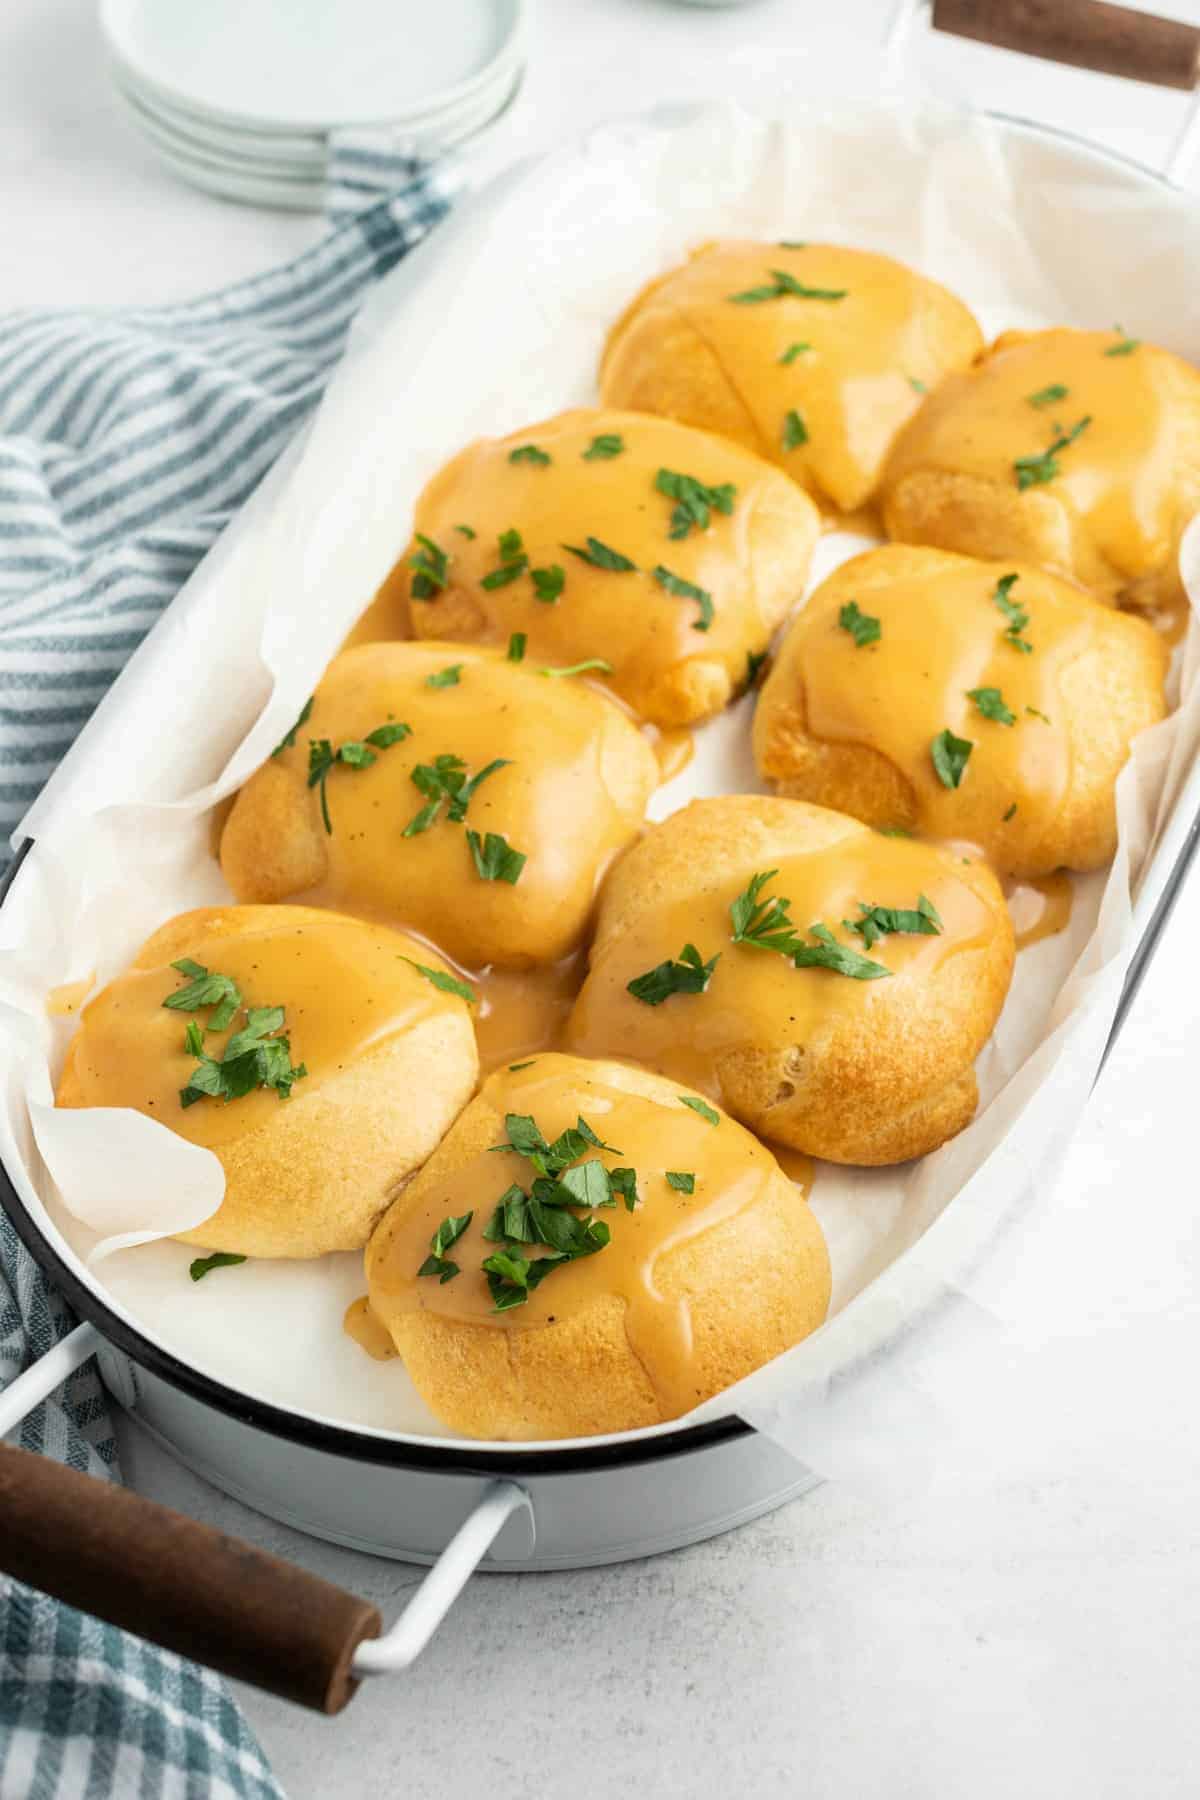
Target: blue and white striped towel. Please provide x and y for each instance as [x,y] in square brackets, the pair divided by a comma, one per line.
[127,441]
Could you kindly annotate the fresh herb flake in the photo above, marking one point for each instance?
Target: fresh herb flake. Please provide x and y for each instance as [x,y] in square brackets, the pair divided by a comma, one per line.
[767,925]
[450,676]
[950,757]
[708,1113]
[695,501]
[793,351]
[687,590]
[783,285]
[1043,466]
[580,668]
[289,737]
[1048,396]
[682,1180]
[1127,345]
[516,647]
[548,583]
[990,702]
[220,1259]
[443,980]
[601,557]
[494,857]
[529,453]
[604,447]
[863,627]
[431,569]
[795,431]
[876,922]
[689,974]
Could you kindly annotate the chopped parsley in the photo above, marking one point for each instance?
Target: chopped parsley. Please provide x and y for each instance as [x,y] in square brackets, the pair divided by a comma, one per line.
[876,922]
[220,1259]
[792,244]
[695,501]
[443,981]
[516,647]
[1048,396]
[1009,814]
[793,351]
[564,1177]
[708,1113]
[682,1180]
[447,677]
[863,627]
[950,757]
[1036,713]
[446,1235]
[918,387]
[513,1067]
[548,583]
[513,561]
[431,568]
[259,1053]
[445,780]
[767,925]
[529,453]
[689,974]
[289,737]
[604,447]
[1043,466]
[1016,615]
[467,531]
[782,284]
[795,431]
[354,754]
[581,668]
[494,857]
[687,590]
[1126,346]
[601,557]
[754,664]
[990,702]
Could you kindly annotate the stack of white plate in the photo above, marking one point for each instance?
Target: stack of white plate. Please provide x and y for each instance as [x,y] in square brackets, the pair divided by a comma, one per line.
[242,96]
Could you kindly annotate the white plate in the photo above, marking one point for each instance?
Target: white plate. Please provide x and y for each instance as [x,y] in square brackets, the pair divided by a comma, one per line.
[313,64]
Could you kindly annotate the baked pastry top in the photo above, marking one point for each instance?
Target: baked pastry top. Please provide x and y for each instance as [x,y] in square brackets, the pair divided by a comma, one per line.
[482,805]
[1075,450]
[662,558]
[830,986]
[986,701]
[813,355]
[279,1037]
[591,1249]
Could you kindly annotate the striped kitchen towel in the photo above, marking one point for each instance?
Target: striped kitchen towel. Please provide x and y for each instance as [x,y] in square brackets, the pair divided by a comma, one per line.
[127,440]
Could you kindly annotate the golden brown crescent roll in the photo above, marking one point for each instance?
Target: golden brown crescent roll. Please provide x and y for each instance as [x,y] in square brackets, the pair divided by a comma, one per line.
[675,1256]
[664,555]
[987,701]
[290,1042]
[469,798]
[830,986]
[1076,450]
[810,354]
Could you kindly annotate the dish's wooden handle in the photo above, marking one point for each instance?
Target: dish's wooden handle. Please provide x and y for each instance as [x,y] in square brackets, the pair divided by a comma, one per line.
[185,1586]
[1088,34]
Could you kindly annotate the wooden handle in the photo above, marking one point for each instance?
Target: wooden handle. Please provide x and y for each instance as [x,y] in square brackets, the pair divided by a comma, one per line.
[1088,34]
[191,1589]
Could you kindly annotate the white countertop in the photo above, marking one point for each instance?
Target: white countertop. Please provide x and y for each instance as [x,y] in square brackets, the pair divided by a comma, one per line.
[1032,1630]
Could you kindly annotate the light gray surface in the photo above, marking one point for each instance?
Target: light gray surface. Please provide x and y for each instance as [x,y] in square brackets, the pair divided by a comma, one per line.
[1031,1631]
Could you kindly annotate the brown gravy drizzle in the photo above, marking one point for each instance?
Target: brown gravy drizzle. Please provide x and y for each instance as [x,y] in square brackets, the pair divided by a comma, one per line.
[1041,907]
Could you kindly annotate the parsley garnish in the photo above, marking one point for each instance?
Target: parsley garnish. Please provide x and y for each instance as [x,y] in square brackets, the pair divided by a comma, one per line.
[529,453]
[447,677]
[624,1183]
[522,1065]
[354,754]
[445,983]
[696,502]
[431,567]
[495,858]
[513,561]
[950,757]
[221,992]
[795,431]
[863,627]
[1016,615]
[689,975]
[581,668]
[466,530]
[918,387]
[682,1180]
[754,662]
[881,921]
[1035,713]
[446,1235]
[1047,396]
[687,590]
[602,448]
[541,1215]
[783,284]
[601,557]
[792,244]
[1032,471]
[793,351]
[767,925]
[220,1259]
[289,737]
[1008,815]
[548,583]
[708,1113]
[254,1057]
[445,779]
[990,702]
[1127,345]
[516,647]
